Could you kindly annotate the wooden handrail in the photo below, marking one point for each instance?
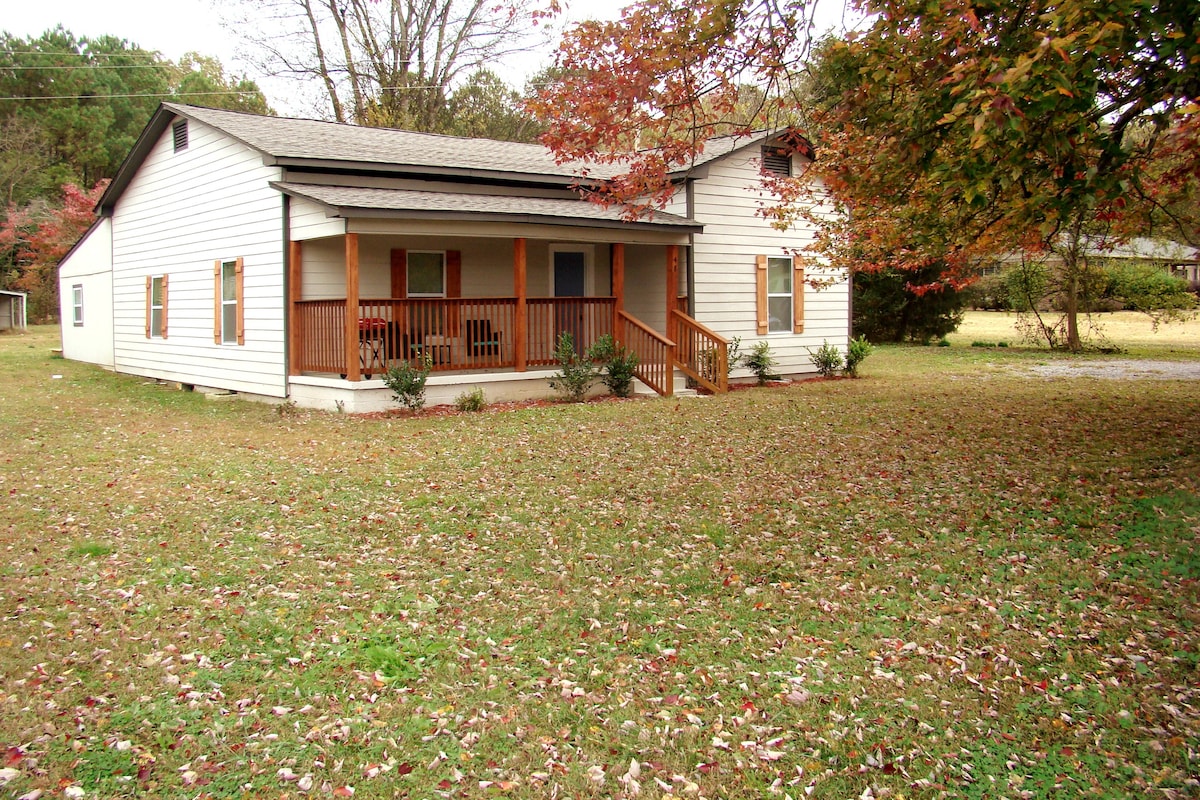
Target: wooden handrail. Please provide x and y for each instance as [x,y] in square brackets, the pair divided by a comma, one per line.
[655,353]
[701,353]
[461,333]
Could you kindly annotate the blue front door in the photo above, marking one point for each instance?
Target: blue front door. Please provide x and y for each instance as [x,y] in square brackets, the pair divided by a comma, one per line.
[569,281]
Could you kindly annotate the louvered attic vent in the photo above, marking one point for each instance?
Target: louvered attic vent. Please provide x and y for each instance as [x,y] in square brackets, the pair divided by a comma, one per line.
[777,161]
[180,134]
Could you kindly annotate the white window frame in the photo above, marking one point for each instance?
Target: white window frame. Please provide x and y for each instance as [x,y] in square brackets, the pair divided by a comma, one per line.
[589,259]
[77,305]
[229,336]
[788,321]
[408,275]
[156,311]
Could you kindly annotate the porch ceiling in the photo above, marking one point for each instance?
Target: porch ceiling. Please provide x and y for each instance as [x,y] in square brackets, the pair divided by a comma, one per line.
[350,201]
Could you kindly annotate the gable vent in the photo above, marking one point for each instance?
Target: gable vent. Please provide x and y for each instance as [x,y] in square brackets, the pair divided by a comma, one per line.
[777,161]
[179,132]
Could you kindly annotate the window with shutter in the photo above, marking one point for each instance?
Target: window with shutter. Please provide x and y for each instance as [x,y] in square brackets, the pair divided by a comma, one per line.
[780,294]
[228,306]
[156,307]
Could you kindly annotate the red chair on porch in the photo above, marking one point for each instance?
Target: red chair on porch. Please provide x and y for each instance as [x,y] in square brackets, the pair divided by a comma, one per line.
[371,335]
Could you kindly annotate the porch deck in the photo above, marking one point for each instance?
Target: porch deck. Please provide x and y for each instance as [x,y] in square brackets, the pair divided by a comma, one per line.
[458,334]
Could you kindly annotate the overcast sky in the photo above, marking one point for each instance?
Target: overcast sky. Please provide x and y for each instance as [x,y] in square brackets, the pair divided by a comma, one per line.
[181,26]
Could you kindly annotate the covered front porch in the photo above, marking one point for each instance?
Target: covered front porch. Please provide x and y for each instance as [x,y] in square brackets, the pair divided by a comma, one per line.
[486,305]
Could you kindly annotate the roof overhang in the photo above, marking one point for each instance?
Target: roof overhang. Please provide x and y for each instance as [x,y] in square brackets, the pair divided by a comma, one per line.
[372,203]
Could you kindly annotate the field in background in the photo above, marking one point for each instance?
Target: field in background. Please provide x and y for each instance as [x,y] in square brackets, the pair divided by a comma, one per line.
[948,578]
[1128,330]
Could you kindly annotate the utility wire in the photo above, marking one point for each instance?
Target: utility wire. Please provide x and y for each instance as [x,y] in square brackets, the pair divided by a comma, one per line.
[116,96]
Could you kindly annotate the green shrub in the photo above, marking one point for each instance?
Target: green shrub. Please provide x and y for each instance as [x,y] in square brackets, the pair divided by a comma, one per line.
[1149,289]
[408,382]
[618,363]
[576,372]
[859,349]
[472,400]
[735,355]
[943,342]
[759,361]
[980,343]
[827,359]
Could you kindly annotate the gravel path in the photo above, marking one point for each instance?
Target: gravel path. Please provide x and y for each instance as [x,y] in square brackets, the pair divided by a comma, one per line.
[1121,369]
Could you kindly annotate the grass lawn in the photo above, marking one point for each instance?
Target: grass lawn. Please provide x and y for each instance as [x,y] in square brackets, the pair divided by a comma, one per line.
[948,578]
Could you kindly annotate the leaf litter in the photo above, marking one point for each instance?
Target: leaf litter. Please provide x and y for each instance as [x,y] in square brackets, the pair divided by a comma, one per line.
[878,588]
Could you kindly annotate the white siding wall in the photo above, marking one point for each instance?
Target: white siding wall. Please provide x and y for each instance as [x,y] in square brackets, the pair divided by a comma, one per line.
[183,211]
[89,266]
[487,265]
[726,202]
[645,283]
[309,221]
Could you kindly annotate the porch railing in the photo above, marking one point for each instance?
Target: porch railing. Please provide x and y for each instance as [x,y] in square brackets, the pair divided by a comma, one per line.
[453,333]
[585,318]
[700,353]
[655,353]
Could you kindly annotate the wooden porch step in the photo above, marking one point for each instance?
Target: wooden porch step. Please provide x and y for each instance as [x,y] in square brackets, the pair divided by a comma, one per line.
[678,389]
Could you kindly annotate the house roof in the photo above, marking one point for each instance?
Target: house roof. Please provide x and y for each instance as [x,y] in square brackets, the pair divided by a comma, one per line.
[329,146]
[1147,249]
[346,201]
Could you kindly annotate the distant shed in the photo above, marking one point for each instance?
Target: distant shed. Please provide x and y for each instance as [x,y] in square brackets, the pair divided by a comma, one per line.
[13,310]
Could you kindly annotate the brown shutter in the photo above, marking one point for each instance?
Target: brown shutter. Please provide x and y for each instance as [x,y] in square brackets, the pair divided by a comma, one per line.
[240,294]
[399,273]
[797,295]
[453,273]
[217,301]
[163,331]
[760,286]
[149,302]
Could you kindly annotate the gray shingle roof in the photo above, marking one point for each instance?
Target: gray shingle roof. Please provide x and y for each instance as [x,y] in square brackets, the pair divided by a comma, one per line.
[295,140]
[347,200]
[311,140]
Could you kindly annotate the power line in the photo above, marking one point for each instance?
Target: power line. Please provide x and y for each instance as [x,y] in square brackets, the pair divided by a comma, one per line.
[86,54]
[163,95]
[147,65]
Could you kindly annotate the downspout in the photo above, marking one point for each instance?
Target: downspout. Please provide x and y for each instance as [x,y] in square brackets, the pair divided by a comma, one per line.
[689,193]
[287,294]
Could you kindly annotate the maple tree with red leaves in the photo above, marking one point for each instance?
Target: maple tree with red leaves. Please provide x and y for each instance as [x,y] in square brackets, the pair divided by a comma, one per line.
[948,133]
[34,239]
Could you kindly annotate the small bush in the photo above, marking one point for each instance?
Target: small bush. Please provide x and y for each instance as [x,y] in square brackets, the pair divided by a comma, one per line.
[735,354]
[576,372]
[759,361]
[978,343]
[1001,344]
[472,400]
[408,382]
[943,342]
[859,349]
[827,359]
[619,365]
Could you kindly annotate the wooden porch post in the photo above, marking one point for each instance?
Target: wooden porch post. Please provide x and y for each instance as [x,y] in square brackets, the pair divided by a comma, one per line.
[672,282]
[521,314]
[618,286]
[353,371]
[295,254]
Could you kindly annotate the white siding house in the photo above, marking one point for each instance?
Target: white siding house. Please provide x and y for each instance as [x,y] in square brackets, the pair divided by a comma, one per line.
[296,259]
[85,297]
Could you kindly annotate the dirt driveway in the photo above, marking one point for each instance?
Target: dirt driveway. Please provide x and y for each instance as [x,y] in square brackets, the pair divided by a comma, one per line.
[1121,369]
